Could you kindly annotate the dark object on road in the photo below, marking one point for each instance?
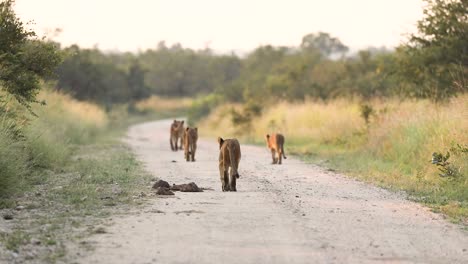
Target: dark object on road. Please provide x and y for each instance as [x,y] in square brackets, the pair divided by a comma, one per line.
[8,216]
[164,191]
[161,183]
[189,187]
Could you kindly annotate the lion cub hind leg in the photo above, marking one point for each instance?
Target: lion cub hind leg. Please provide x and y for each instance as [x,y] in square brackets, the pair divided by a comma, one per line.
[224,180]
[232,182]
[194,148]
[279,156]
[172,144]
[273,156]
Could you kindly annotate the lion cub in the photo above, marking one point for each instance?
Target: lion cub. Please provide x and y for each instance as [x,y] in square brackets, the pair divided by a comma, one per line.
[177,132]
[275,143]
[190,143]
[229,156]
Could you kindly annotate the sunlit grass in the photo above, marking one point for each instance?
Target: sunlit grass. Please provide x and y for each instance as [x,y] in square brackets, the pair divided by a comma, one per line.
[47,140]
[61,124]
[160,104]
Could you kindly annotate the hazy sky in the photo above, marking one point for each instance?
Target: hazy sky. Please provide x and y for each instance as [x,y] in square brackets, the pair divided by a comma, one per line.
[130,25]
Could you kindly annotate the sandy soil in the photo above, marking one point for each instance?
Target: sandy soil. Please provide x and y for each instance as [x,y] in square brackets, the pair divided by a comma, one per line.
[290,213]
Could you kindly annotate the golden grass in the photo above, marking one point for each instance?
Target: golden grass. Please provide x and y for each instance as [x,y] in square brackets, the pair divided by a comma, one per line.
[318,121]
[29,143]
[59,106]
[157,104]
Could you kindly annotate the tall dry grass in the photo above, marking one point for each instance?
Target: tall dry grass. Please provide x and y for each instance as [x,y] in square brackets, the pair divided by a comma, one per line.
[160,104]
[60,125]
[45,141]
[332,122]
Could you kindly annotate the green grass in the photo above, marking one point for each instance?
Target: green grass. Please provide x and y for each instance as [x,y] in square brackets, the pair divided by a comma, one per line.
[101,178]
[15,240]
[13,167]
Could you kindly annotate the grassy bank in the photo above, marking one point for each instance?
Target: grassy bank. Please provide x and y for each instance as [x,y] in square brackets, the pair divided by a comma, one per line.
[61,173]
[30,144]
[393,150]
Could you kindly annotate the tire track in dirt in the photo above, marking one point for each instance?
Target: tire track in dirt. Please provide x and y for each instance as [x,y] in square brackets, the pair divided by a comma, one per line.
[290,213]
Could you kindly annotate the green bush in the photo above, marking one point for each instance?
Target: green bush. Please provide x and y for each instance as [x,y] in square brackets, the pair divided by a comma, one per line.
[202,107]
[13,162]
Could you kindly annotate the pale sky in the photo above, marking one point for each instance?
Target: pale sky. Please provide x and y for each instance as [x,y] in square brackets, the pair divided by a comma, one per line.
[241,25]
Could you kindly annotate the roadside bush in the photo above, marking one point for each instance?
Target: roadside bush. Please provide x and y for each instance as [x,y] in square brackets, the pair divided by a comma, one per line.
[29,143]
[202,107]
[13,163]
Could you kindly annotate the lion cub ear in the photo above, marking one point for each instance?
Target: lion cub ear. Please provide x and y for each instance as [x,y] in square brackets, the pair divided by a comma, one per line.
[196,129]
[187,128]
[220,141]
[182,122]
[267,136]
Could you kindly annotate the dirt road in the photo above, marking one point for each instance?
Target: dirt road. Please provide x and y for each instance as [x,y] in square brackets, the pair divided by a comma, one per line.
[293,213]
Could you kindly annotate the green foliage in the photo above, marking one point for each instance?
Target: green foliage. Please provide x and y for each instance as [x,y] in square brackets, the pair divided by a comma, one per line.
[447,169]
[14,162]
[23,61]
[46,141]
[136,82]
[366,112]
[324,43]
[436,58]
[15,240]
[90,75]
[317,68]
[243,120]
[444,166]
[202,107]
[176,71]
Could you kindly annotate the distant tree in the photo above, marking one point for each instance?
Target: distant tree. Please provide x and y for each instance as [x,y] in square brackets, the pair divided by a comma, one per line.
[436,58]
[23,60]
[136,82]
[88,74]
[323,42]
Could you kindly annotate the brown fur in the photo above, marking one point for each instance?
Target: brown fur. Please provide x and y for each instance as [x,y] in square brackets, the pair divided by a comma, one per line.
[275,143]
[190,143]
[177,132]
[229,156]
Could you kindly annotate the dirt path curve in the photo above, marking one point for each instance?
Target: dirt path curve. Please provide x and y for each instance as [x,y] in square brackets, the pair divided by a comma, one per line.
[293,213]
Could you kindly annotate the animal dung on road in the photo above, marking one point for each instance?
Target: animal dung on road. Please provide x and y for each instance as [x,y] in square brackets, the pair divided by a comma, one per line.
[164,191]
[188,187]
[163,188]
[161,183]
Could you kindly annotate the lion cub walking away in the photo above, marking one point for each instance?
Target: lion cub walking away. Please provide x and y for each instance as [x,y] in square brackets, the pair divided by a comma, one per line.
[229,156]
[177,131]
[275,143]
[190,143]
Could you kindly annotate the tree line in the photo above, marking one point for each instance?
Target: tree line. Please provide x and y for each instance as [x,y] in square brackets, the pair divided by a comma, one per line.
[432,64]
